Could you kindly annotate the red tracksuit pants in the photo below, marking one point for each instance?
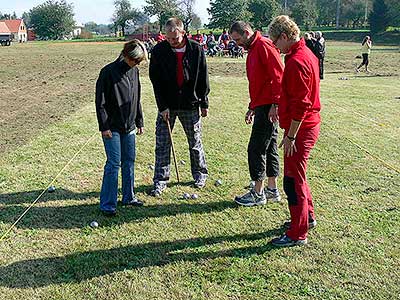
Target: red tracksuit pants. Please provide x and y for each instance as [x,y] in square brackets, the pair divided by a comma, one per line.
[295,183]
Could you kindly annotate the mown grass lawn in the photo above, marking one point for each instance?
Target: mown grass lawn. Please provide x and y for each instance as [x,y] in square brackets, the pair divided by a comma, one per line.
[194,249]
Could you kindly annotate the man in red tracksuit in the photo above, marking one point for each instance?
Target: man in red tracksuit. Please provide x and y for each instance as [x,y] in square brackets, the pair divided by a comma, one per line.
[299,116]
[264,71]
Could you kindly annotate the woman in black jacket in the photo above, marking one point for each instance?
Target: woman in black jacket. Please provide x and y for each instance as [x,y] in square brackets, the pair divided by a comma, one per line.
[119,113]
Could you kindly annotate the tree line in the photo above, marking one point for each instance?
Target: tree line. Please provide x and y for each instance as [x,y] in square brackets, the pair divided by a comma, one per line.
[54,19]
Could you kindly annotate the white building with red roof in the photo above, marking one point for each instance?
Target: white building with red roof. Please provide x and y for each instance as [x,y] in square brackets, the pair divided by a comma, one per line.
[17,28]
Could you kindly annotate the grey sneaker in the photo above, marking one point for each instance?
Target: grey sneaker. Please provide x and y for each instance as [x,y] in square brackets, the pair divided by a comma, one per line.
[200,183]
[273,196]
[158,189]
[251,198]
[285,241]
[311,224]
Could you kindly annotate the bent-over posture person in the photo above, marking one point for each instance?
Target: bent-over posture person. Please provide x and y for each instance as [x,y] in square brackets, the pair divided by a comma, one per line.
[299,116]
[119,114]
[178,72]
[264,71]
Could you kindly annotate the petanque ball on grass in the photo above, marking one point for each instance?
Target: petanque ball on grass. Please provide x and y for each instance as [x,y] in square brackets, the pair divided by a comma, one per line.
[94,224]
[186,196]
[51,189]
[195,196]
[218,182]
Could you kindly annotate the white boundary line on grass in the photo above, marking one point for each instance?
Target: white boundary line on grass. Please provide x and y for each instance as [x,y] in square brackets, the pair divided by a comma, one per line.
[45,189]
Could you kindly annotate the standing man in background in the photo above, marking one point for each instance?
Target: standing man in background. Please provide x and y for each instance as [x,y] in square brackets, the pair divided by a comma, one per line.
[299,116]
[320,52]
[119,113]
[178,72]
[264,71]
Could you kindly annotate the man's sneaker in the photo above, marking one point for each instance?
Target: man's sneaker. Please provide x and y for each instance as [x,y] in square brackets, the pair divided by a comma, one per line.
[311,224]
[134,202]
[158,189]
[109,213]
[199,183]
[252,198]
[272,195]
[285,241]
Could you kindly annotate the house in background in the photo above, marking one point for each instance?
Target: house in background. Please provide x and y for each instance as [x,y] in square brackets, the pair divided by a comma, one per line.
[18,29]
[5,34]
[77,30]
[31,35]
[4,28]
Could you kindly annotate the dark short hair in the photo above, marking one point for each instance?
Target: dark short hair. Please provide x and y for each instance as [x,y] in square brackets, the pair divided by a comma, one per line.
[240,27]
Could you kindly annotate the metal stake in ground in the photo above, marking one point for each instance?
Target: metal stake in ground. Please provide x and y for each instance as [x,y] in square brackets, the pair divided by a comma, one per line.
[173,150]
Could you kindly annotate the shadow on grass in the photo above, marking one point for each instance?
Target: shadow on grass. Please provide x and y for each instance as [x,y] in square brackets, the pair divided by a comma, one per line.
[59,194]
[76,216]
[82,266]
[65,194]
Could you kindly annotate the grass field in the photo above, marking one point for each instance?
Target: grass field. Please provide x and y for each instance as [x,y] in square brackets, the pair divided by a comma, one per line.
[194,249]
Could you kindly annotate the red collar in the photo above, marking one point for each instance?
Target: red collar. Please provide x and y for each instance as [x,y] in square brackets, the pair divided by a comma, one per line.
[296,46]
[257,36]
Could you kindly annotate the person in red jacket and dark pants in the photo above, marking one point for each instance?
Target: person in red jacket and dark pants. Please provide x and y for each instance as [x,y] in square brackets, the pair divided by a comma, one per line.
[264,71]
[299,116]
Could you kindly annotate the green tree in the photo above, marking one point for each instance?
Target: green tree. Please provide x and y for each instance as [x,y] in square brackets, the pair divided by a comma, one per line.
[162,9]
[52,19]
[304,12]
[379,17]
[186,12]
[225,12]
[196,22]
[326,12]
[27,19]
[90,26]
[124,15]
[353,12]
[263,11]
[394,12]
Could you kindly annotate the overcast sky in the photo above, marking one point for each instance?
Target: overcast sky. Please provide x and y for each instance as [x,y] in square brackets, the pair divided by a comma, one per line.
[99,11]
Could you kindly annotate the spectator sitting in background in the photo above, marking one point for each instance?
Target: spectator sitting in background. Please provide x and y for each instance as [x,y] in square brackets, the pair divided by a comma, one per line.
[198,37]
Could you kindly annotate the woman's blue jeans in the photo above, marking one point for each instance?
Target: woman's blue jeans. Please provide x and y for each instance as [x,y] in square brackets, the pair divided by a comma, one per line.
[120,151]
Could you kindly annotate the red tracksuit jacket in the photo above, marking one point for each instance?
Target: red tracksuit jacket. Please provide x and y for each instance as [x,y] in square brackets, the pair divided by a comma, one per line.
[300,88]
[264,71]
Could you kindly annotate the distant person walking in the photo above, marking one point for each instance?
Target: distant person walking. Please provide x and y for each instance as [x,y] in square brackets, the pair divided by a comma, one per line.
[119,113]
[320,52]
[366,46]
[299,116]
[264,70]
[178,72]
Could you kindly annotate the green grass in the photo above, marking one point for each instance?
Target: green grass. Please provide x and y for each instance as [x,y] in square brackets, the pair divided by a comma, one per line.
[208,248]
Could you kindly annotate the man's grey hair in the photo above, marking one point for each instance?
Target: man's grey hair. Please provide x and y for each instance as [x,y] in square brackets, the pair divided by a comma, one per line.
[174,24]
[240,27]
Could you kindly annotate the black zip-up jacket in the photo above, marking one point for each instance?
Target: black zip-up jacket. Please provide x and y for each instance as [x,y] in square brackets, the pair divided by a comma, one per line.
[118,105]
[162,72]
